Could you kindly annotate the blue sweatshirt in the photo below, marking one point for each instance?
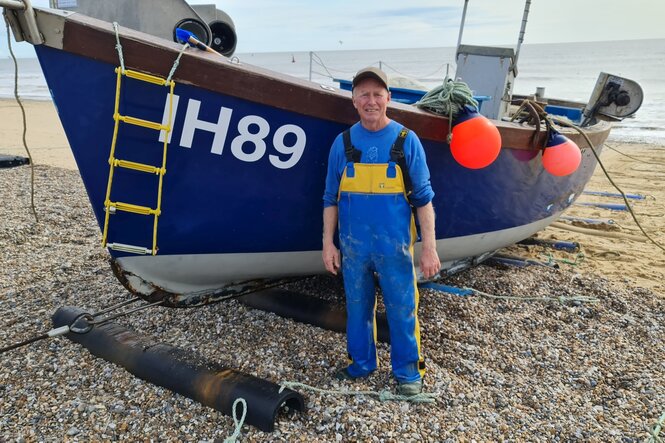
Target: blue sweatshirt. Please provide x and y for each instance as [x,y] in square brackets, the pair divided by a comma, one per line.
[375,148]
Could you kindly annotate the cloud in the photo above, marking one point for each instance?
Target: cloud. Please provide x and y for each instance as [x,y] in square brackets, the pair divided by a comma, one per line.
[438,12]
[303,25]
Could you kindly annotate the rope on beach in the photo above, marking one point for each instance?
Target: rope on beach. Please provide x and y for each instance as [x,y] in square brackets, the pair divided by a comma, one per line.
[631,157]
[236,433]
[385,395]
[623,195]
[579,258]
[561,299]
[25,124]
[448,100]
[597,233]
[463,291]
[654,432]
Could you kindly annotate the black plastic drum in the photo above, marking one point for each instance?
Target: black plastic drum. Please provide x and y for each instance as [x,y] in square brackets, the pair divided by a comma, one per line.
[196,27]
[223,38]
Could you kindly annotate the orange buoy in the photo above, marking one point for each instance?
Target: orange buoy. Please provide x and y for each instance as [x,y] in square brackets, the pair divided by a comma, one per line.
[476,142]
[561,156]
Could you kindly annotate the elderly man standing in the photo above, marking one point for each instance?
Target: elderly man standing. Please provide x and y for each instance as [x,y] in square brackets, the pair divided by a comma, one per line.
[376,172]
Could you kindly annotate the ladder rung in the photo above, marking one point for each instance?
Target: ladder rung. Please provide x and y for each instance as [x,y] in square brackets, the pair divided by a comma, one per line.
[145,77]
[129,248]
[113,207]
[138,166]
[136,209]
[140,122]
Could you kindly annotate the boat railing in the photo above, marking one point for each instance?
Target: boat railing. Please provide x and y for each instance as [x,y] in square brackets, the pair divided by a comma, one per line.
[316,60]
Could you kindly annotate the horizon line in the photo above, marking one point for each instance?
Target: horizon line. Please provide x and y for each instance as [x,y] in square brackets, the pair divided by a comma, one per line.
[8,56]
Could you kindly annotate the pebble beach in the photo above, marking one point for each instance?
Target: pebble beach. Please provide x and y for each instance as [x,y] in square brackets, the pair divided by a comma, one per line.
[567,353]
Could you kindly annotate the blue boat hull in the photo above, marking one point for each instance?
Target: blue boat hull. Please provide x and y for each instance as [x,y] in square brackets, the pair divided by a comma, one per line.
[242,195]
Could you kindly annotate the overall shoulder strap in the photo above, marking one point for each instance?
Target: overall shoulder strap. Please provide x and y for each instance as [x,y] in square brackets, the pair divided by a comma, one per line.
[397,156]
[351,153]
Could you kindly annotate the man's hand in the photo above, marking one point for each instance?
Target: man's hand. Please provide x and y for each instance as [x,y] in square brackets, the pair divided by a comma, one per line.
[331,257]
[429,259]
[429,262]
[330,254]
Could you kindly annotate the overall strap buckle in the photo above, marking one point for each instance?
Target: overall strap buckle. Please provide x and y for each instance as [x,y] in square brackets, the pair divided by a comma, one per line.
[352,154]
[397,156]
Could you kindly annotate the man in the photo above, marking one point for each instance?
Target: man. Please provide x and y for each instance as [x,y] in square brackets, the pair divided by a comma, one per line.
[371,169]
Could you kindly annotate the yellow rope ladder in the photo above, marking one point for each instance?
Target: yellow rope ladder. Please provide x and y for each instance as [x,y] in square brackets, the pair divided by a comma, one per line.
[111,207]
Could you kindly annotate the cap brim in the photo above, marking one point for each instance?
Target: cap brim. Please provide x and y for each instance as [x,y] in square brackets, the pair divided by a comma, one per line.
[365,75]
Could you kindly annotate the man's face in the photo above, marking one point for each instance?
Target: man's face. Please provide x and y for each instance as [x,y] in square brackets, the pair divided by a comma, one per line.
[371,99]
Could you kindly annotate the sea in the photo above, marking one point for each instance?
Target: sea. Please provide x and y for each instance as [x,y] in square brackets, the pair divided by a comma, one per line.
[566,71]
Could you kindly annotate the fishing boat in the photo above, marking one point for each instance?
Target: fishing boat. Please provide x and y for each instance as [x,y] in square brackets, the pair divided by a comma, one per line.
[206,174]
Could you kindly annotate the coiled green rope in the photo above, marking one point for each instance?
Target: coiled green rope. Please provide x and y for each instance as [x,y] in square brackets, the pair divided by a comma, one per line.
[448,100]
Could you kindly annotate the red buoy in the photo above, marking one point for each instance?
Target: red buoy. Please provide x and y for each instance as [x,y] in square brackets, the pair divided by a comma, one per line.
[476,142]
[561,156]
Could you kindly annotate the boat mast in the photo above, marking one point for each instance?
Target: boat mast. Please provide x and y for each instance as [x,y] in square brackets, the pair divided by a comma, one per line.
[522,29]
[461,26]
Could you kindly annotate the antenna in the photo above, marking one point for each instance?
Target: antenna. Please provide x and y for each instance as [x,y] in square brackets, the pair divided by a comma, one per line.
[521,37]
[461,26]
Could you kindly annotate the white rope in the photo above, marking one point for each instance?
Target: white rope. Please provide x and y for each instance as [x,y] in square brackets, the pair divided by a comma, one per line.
[118,46]
[25,122]
[382,395]
[234,437]
[176,63]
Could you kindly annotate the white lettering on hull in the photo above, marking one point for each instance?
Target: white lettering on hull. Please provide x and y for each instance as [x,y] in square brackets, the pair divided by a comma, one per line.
[249,141]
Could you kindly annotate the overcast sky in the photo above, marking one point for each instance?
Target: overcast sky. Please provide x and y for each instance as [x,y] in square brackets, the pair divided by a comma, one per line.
[304,25]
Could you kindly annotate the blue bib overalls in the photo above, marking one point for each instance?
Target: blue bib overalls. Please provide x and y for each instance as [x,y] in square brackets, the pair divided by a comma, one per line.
[377,232]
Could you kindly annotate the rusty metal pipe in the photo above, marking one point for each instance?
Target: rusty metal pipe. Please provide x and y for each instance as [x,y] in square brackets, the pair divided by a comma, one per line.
[184,372]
